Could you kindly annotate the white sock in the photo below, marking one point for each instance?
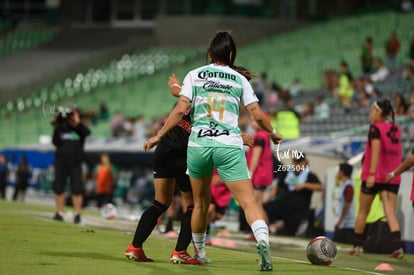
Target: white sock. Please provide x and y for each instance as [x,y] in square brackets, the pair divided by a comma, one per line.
[260,231]
[199,241]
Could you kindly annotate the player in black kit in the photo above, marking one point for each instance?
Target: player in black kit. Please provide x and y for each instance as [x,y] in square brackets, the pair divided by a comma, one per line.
[169,167]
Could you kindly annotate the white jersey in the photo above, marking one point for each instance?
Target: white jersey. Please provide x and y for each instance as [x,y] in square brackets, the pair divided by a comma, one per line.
[215,93]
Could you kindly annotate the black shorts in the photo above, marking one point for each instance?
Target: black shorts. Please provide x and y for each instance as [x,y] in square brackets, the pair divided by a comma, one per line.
[172,164]
[378,187]
[259,187]
[221,210]
[63,173]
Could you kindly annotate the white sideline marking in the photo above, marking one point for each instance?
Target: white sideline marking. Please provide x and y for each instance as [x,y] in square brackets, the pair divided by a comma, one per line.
[341,267]
[306,262]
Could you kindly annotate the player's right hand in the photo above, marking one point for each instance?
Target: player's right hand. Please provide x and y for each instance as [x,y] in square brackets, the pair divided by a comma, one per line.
[151,143]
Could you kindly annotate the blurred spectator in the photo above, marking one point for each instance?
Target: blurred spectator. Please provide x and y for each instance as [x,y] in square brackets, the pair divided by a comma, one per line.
[401,105]
[367,56]
[105,177]
[139,129]
[117,124]
[408,73]
[308,112]
[292,197]
[381,72]
[287,120]
[344,227]
[4,173]
[273,96]
[11,167]
[295,88]
[374,96]
[128,127]
[360,100]
[23,173]
[103,111]
[392,48]
[331,82]
[410,115]
[322,110]
[368,86]
[260,87]
[412,51]
[345,89]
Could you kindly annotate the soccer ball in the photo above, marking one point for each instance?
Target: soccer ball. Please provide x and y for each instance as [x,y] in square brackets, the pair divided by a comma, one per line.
[108,211]
[321,251]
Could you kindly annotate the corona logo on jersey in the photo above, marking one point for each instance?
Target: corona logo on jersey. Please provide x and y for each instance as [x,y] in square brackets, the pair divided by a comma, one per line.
[219,74]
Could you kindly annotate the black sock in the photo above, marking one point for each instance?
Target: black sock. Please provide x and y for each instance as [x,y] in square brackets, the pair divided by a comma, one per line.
[184,238]
[208,230]
[147,223]
[396,240]
[358,239]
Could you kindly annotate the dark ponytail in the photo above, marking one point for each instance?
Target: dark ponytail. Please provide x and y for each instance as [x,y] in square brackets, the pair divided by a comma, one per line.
[387,109]
[246,73]
[223,50]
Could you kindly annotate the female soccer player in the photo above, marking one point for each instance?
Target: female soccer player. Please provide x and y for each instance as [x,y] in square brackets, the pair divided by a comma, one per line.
[382,155]
[215,92]
[170,166]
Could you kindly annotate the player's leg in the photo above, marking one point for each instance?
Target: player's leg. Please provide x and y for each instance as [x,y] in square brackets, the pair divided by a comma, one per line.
[200,169]
[366,198]
[180,255]
[389,202]
[164,190]
[184,185]
[232,167]
[201,193]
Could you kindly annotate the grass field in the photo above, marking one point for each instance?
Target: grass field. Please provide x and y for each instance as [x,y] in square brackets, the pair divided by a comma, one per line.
[32,243]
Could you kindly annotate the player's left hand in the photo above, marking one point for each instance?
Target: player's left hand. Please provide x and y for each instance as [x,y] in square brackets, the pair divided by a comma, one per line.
[151,143]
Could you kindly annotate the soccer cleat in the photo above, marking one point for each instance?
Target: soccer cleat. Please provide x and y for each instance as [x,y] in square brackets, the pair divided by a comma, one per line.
[265,262]
[77,219]
[204,260]
[182,257]
[397,254]
[354,251]
[137,254]
[58,217]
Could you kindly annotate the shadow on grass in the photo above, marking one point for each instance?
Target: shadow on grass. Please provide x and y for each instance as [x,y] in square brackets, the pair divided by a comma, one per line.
[90,255]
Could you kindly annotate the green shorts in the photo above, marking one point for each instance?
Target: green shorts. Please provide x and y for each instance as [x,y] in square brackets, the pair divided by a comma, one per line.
[230,162]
